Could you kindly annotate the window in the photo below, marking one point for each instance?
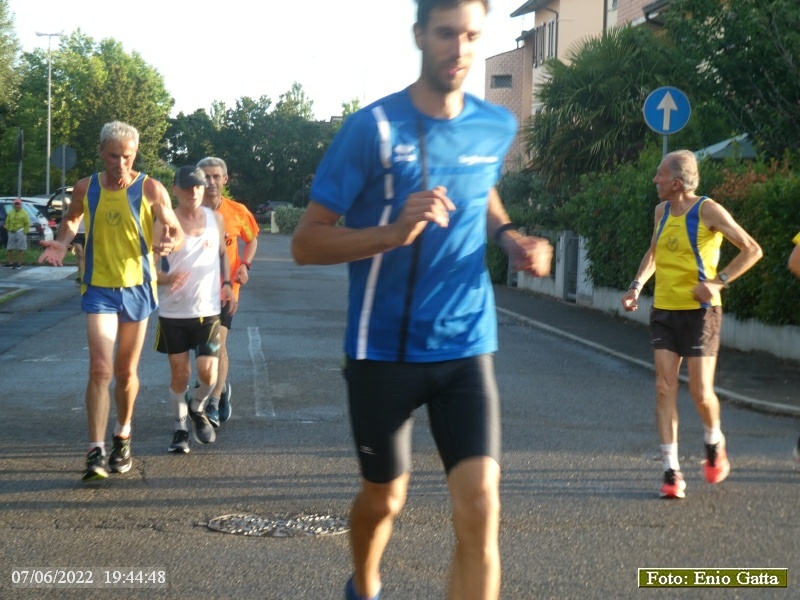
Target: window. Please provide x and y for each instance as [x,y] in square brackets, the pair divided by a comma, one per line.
[502,81]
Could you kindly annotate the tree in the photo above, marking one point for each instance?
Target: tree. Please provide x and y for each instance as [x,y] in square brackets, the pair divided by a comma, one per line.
[189,138]
[591,117]
[745,54]
[296,103]
[9,57]
[93,83]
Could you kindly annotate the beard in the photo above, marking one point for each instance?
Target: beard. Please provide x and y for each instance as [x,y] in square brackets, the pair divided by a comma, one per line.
[437,78]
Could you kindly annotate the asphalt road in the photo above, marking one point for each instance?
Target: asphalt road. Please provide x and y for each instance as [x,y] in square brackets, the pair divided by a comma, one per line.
[581,471]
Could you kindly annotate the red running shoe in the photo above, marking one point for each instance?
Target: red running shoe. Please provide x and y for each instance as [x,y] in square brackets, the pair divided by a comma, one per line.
[716,466]
[674,485]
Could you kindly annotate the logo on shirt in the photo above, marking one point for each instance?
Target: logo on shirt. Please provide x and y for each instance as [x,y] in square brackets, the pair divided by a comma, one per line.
[113,218]
[405,153]
[672,243]
[477,160]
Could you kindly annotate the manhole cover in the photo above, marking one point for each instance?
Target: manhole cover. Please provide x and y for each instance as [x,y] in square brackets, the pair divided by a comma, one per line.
[280,526]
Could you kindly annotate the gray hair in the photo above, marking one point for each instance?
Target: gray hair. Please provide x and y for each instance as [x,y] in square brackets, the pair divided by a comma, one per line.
[118,131]
[683,165]
[213,161]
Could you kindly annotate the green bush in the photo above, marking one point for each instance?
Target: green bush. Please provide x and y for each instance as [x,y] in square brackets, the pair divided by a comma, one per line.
[763,199]
[287,218]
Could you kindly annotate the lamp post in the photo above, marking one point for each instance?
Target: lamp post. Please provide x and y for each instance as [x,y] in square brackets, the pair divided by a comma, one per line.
[50,36]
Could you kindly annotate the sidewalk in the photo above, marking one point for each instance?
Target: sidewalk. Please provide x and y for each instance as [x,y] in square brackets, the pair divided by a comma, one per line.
[756,380]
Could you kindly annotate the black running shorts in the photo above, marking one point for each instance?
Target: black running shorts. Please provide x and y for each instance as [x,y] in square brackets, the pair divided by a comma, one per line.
[176,336]
[463,407]
[687,333]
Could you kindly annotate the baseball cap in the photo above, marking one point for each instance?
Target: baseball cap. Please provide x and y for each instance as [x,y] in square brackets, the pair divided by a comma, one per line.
[17,201]
[189,176]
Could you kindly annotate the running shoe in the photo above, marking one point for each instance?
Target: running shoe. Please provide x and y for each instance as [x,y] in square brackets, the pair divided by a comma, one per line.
[180,442]
[95,467]
[797,451]
[674,485]
[225,402]
[120,460]
[716,466]
[350,592]
[201,427]
[212,412]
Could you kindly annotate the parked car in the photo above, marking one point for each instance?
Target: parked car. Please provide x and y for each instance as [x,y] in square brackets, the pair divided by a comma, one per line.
[267,207]
[40,228]
[55,205]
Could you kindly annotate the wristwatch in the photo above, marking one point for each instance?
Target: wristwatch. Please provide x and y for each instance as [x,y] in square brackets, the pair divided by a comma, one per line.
[723,277]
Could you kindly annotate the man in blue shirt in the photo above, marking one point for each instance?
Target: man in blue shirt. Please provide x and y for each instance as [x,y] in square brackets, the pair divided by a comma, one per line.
[414,174]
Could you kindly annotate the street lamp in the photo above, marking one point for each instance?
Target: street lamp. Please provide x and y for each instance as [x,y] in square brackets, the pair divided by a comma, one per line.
[50,36]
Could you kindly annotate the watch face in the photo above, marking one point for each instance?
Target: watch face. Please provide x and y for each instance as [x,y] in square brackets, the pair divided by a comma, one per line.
[723,277]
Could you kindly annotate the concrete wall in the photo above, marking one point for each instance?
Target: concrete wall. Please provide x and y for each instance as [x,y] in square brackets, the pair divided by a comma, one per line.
[750,335]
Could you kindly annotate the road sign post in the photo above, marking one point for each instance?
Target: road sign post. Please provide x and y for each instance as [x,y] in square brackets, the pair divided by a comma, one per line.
[64,157]
[666,111]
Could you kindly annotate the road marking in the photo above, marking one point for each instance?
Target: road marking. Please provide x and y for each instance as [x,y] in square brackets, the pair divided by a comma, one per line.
[44,273]
[264,406]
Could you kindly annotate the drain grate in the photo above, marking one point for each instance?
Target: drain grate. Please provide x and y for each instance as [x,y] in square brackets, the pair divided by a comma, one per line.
[280,526]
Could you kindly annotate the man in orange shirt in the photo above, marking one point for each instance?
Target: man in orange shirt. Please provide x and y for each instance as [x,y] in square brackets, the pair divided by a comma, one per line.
[239,223]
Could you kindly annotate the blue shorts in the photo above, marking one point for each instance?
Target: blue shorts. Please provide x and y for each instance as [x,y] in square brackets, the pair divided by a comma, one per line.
[132,304]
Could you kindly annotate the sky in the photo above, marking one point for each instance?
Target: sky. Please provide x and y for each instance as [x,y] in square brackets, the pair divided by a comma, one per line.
[222,51]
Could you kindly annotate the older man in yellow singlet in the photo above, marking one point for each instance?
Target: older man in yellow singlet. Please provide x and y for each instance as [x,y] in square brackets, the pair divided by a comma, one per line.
[687,314]
[128,217]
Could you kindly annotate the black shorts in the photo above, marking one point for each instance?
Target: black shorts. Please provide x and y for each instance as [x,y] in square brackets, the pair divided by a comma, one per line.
[688,333]
[463,407]
[201,334]
[80,239]
[225,317]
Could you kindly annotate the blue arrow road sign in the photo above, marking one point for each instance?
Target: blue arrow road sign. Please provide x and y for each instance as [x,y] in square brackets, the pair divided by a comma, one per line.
[667,110]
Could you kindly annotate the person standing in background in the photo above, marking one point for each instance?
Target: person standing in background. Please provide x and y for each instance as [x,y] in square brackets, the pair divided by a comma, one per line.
[17,223]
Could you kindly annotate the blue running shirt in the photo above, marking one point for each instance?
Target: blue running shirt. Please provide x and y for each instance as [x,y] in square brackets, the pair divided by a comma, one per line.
[435,302]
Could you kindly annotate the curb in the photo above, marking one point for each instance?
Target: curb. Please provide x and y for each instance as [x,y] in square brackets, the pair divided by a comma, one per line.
[8,292]
[772,408]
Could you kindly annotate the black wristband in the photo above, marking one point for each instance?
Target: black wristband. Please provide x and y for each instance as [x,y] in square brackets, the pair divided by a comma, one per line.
[501,230]
[228,282]
[246,264]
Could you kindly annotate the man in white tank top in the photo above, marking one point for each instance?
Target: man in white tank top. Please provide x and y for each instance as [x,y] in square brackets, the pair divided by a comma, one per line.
[194,282]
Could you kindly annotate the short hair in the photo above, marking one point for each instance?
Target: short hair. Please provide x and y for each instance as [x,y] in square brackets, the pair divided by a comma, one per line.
[424,8]
[118,131]
[213,161]
[683,165]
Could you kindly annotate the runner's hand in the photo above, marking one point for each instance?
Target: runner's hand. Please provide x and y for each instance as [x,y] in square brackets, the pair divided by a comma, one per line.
[421,208]
[53,254]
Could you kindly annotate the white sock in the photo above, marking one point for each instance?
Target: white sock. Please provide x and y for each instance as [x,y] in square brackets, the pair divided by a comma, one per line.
[199,396]
[123,431]
[101,445]
[181,424]
[712,435]
[179,409]
[669,457]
